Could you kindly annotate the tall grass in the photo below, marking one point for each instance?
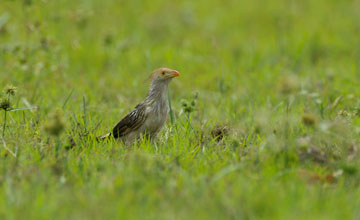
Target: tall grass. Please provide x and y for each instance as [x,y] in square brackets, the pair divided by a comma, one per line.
[289,146]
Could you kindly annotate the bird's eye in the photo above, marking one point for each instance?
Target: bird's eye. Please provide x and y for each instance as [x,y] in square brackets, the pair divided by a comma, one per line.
[163,73]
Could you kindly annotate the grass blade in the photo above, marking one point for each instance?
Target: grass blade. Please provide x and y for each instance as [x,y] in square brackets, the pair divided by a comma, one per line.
[84,112]
[23,108]
[171,111]
[67,99]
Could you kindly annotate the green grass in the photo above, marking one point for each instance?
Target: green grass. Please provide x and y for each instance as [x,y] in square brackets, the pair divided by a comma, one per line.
[283,76]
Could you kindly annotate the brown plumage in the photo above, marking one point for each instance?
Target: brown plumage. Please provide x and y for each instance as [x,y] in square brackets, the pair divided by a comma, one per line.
[149,116]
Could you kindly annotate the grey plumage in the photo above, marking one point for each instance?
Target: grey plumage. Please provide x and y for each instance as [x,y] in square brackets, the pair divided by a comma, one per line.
[149,116]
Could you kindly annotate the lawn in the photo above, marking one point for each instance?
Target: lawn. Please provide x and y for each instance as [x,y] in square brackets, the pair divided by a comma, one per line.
[265,116]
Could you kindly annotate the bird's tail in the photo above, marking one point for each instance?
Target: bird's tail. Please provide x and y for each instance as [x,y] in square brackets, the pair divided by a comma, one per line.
[104,137]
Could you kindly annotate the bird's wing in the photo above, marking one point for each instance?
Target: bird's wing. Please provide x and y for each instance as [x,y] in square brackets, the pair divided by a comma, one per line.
[131,122]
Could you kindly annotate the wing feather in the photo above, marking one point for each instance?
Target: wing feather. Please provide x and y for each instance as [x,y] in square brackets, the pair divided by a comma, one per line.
[131,122]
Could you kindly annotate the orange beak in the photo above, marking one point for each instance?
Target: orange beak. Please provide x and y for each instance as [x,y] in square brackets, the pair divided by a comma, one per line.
[175,74]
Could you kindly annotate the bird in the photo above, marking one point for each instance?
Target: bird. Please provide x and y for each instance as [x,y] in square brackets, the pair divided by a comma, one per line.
[150,116]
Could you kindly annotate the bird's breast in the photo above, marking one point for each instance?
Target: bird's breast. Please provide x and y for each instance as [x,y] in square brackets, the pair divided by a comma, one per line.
[157,116]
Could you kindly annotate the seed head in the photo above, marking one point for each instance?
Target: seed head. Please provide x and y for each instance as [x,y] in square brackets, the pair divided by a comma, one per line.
[5,103]
[10,90]
[288,85]
[55,125]
[187,106]
[309,119]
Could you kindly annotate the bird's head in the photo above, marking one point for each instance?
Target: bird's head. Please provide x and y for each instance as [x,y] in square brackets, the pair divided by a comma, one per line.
[163,75]
[160,79]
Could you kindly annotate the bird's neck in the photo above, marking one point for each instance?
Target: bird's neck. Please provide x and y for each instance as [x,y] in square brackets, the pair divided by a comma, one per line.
[158,93]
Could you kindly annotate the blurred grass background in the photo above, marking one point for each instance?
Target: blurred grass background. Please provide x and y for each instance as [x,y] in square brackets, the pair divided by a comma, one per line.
[283,76]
